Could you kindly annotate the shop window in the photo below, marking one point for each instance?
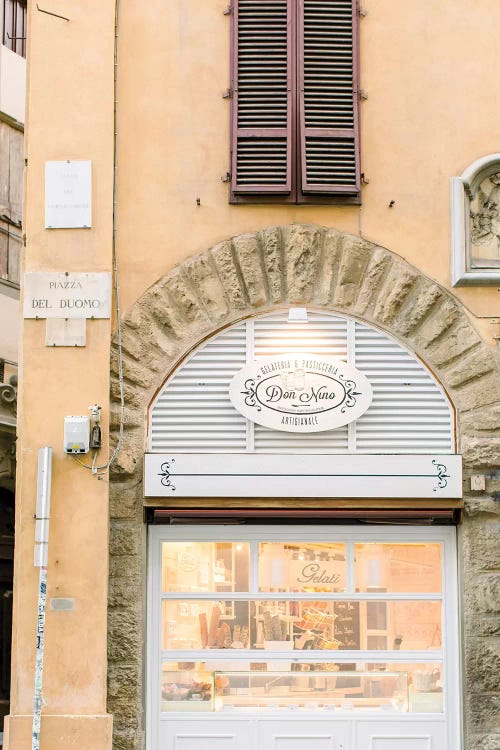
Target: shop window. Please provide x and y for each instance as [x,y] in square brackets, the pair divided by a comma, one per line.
[475,216]
[294,97]
[15,25]
[346,623]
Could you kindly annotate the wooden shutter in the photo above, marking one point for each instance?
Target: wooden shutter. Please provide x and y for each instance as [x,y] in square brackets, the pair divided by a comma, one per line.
[328,96]
[262,88]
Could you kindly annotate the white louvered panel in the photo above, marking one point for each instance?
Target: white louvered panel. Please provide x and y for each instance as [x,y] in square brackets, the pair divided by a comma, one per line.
[323,335]
[409,412]
[273,441]
[193,412]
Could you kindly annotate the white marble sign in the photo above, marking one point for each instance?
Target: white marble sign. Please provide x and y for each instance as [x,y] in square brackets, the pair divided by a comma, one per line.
[300,393]
[67,295]
[280,475]
[68,194]
[66,332]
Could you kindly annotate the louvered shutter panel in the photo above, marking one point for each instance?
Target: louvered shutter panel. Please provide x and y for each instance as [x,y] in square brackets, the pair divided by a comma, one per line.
[193,411]
[328,96]
[323,335]
[409,414]
[263,80]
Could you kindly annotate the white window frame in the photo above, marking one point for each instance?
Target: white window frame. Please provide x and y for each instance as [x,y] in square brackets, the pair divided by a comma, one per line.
[449,653]
[461,188]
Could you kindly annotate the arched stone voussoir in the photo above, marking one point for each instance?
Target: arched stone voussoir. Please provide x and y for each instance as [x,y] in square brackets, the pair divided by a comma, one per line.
[303,264]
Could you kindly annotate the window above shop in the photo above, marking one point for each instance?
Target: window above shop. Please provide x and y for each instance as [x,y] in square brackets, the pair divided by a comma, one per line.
[294,101]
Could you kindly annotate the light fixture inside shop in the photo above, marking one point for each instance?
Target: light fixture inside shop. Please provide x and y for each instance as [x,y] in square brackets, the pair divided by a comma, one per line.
[297,315]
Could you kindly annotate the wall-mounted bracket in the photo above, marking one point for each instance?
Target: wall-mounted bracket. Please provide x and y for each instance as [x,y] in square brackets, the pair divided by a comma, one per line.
[49,13]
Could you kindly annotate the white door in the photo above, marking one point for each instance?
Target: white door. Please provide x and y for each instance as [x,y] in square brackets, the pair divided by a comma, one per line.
[302,638]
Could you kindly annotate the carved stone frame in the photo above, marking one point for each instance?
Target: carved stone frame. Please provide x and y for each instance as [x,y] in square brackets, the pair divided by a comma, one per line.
[461,189]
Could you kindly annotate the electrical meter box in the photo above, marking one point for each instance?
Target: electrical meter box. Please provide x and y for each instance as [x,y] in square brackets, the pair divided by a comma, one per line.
[76,434]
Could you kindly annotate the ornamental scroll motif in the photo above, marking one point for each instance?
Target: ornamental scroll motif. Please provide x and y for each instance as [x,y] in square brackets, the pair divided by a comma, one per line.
[485,223]
[167,468]
[8,396]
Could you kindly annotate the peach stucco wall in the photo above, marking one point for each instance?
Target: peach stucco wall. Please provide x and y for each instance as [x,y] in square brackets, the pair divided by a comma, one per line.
[428,115]
[431,110]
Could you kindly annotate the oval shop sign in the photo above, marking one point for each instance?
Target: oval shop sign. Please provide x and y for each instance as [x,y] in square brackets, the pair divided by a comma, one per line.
[300,393]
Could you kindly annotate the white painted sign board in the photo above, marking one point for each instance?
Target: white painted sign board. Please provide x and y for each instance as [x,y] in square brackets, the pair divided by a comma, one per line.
[67,295]
[300,393]
[65,332]
[68,194]
[280,475]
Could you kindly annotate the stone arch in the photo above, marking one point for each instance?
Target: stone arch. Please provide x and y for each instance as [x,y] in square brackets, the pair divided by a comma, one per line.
[256,273]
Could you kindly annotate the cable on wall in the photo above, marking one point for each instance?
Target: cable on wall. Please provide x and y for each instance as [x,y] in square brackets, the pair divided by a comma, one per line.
[99,470]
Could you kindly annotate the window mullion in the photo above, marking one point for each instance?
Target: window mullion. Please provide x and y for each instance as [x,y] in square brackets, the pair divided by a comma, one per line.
[254,568]
[256,595]
[349,561]
[325,656]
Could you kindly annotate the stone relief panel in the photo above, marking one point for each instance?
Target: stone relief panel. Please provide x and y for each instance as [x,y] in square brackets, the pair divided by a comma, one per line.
[485,224]
[475,223]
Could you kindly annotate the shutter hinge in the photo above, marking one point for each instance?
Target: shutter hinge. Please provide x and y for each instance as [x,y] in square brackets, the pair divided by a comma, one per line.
[362,11]
[226,177]
[228,93]
[228,10]
[362,94]
[364,180]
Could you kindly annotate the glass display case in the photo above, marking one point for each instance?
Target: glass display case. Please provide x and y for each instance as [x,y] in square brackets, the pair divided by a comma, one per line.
[213,686]
[325,690]
[191,689]
[187,688]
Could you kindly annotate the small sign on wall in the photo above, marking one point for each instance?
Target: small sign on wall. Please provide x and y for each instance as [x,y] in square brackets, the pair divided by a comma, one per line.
[300,393]
[65,332]
[67,295]
[68,194]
